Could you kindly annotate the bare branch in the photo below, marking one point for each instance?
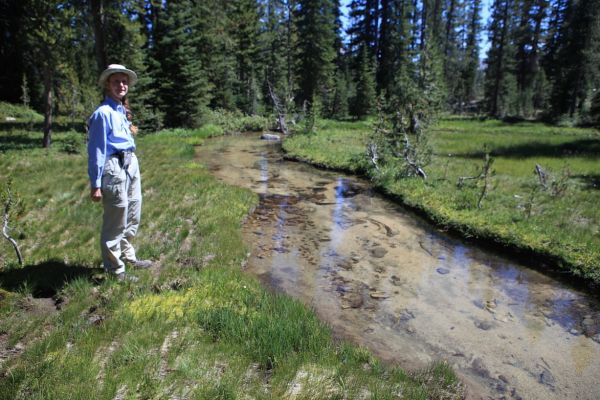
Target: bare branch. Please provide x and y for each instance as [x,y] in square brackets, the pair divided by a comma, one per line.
[7,207]
[483,176]
[281,114]
[542,176]
[372,153]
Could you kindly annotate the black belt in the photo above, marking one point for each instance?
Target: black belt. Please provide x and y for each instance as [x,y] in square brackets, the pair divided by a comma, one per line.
[124,159]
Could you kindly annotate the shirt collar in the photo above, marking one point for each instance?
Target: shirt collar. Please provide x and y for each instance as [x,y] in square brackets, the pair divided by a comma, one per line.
[113,104]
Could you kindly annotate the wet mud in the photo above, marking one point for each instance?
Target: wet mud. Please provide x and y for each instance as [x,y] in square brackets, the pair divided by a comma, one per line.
[385,280]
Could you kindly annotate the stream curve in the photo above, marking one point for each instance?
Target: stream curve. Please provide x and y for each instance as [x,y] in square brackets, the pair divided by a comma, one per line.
[384,279]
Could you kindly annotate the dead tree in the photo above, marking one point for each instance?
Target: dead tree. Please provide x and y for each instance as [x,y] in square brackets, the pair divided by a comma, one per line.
[393,138]
[484,176]
[9,203]
[410,158]
[542,176]
[373,155]
[281,114]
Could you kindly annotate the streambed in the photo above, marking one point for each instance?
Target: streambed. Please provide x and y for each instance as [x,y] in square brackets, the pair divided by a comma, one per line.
[385,280]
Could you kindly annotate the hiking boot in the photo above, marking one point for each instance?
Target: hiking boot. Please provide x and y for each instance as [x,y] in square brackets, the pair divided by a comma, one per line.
[141,264]
[122,277]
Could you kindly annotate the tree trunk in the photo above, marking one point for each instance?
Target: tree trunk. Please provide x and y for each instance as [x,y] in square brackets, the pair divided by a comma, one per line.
[98,17]
[500,68]
[47,107]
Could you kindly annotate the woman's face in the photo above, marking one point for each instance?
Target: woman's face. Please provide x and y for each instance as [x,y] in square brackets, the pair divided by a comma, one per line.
[117,86]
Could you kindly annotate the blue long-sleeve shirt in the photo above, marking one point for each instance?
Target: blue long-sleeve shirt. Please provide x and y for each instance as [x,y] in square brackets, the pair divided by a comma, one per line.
[109,133]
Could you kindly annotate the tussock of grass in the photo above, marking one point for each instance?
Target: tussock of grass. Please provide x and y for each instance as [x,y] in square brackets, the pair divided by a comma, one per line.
[196,327]
[19,113]
[564,228]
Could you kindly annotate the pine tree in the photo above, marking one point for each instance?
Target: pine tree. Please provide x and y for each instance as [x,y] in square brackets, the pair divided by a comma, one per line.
[500,82]
[555,36]
[577,71]
[47,40]
[315,52]
[471,64]
[364,100]
[454,52]
[11,40]
[363,31]
[527,38]
[395,37]
[430,65]
[272,50]
[184,89]
[340,103]
[244,32]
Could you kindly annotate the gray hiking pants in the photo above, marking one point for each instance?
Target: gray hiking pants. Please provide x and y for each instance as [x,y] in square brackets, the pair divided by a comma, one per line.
[122,201]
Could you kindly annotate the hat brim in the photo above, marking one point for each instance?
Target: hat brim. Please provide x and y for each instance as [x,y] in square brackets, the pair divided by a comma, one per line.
[110,71]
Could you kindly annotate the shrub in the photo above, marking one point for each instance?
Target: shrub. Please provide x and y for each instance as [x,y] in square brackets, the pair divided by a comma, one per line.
[236,121]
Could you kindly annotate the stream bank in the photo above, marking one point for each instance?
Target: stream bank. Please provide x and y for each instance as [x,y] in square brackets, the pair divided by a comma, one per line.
[411,294]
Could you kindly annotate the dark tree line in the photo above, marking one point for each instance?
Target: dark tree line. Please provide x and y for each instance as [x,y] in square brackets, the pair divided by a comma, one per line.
[195,55]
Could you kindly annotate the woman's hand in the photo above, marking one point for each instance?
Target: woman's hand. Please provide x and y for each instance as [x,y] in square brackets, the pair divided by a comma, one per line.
[96,194]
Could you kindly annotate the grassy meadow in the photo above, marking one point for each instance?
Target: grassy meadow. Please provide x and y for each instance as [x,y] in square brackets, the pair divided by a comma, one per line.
[560,225]
[193,327]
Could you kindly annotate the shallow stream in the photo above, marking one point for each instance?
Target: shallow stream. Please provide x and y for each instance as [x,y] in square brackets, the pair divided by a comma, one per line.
[385,280]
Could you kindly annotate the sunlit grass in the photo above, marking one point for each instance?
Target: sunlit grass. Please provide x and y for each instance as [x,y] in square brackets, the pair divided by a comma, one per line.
[516,210]
[196,327]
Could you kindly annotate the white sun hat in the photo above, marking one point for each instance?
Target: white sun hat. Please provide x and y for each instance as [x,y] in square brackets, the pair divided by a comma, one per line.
[115,69]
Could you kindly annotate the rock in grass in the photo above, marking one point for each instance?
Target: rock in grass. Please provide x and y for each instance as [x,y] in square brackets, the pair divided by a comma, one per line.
[270,136]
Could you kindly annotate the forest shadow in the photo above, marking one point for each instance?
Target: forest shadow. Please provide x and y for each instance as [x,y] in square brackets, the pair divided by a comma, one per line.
[45,279]
[18,141]
[590,181]
[57,126]
[576,148]
[27,135]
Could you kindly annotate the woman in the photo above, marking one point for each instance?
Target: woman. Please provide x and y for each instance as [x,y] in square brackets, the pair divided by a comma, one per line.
[114,172]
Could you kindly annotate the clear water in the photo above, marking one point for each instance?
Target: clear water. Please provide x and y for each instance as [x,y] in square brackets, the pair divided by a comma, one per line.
[386,281]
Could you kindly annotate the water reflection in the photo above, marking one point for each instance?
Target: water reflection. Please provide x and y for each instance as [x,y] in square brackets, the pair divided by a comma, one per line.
[337,216]
[410,294]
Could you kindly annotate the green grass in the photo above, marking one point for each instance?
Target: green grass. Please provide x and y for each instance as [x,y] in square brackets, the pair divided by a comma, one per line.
[564,227]
[196,327]
[19,113]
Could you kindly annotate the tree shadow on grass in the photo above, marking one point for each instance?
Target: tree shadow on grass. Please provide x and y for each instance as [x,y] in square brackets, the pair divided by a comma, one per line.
[18,141]
[576,148]
[57,126]
[45,279]
[11,140]
[590,181]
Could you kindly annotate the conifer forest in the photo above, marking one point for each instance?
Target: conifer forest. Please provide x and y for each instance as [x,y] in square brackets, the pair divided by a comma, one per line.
[541,58]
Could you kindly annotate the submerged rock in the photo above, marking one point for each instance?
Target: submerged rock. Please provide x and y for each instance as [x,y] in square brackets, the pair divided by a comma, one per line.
[484,325]
[379,295]
[378,252]
[479,368]
[546,378]
[590,325]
